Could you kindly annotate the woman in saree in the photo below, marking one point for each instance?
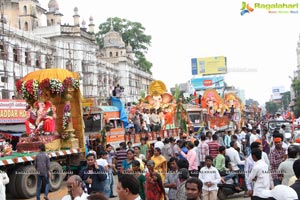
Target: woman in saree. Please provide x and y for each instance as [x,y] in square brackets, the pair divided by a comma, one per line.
[154,184]
[126,166]
[160,163]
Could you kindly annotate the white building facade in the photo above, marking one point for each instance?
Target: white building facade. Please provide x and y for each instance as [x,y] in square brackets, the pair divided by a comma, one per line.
[26,46]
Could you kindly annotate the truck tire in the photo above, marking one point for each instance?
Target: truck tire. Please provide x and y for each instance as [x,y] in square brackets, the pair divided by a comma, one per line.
[11,187]
[26,182]
[57,176]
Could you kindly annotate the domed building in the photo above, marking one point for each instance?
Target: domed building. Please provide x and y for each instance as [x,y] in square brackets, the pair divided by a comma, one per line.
[34,47]
[133,78]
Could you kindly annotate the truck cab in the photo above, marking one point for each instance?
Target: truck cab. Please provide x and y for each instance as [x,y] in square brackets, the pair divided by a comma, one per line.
[105,118]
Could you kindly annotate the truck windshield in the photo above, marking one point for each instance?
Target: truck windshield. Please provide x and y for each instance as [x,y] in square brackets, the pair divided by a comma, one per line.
[92,122]
[195,118]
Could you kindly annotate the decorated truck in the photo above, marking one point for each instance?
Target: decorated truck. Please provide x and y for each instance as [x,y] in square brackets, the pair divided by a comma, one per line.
[105,122]
[54,117]
[222,113]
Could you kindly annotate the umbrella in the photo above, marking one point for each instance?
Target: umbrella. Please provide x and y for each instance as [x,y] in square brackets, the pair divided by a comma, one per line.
[57,73]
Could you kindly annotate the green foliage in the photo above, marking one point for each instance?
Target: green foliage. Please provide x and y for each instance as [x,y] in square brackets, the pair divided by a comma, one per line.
[272,107]
[132,33]
[142,94]
[177,93]
[252,102]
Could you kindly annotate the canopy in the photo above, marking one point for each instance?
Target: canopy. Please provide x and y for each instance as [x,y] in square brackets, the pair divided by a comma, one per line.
[54,73]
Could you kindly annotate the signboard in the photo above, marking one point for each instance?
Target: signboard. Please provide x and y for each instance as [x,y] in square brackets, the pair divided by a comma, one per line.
[12,111]
[209,65]
[208,83]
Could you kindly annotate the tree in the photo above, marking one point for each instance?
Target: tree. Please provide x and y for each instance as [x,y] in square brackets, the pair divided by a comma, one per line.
[272,107]
[132,33]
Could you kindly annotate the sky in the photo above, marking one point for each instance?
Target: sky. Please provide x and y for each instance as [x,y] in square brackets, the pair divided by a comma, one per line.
[260,47]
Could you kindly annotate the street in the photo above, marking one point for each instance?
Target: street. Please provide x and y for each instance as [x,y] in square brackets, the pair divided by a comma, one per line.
[58,195]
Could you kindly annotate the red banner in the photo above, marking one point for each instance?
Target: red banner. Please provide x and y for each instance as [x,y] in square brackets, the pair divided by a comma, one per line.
[207,83]
[12,111]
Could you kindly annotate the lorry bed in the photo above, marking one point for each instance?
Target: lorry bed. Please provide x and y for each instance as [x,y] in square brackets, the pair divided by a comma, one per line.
[17,157]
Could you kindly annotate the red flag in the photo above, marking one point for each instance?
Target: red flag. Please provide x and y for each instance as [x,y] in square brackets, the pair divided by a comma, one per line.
[195,93]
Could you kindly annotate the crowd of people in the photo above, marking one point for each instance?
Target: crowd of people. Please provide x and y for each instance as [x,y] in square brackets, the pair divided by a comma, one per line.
[260,164]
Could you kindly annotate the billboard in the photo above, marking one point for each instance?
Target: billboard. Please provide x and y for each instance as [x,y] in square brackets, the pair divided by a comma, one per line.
[12,111]
[208,82]
[276,92]
[209,65]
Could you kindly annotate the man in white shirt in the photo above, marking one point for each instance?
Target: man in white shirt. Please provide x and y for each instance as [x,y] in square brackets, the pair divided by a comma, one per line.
[234,156]
[243,133]
[75,191]
[159,143]
[249,164]
[210,178]
[103,162]
[279,117]
[259,175]
[254,136]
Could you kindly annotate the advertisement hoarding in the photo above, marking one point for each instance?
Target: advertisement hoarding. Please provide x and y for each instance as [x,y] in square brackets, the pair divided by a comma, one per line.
[12,111]
[209,65]
[207,82]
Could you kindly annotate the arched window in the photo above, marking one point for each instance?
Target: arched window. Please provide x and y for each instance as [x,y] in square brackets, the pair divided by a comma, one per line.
[117,53]
[25,10]
[110,54]
[27,58]
[16,52]
[52,21]
[25,26]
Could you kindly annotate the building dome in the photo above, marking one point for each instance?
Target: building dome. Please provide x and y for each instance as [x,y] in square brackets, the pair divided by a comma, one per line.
[113,39]
[91,19]
[129,48]
[83,23]
[76,9]
[53,5]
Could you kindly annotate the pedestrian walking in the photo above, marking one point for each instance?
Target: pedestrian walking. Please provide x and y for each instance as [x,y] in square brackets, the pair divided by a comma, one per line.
[259,176]
[136,167]
[154,184]
[171,179]
[160,163]
[42,165]
[103,162]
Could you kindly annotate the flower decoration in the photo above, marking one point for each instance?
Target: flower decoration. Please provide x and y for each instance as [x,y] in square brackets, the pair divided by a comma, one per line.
[66,116]
[19,86]
[30,89]
[71,82]
[56,87]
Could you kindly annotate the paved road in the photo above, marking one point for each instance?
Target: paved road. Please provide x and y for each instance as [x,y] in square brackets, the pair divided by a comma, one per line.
[57,195]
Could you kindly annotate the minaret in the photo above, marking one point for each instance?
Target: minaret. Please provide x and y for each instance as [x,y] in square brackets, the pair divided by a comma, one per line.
[111,25]
[91,25]
[83,23]
[53,15]
[76,17]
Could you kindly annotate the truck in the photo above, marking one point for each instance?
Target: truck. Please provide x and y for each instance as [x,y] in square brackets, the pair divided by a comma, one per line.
[107,122]
[63,152]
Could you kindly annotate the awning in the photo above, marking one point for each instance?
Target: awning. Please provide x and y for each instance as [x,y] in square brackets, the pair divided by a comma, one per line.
[13,128]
